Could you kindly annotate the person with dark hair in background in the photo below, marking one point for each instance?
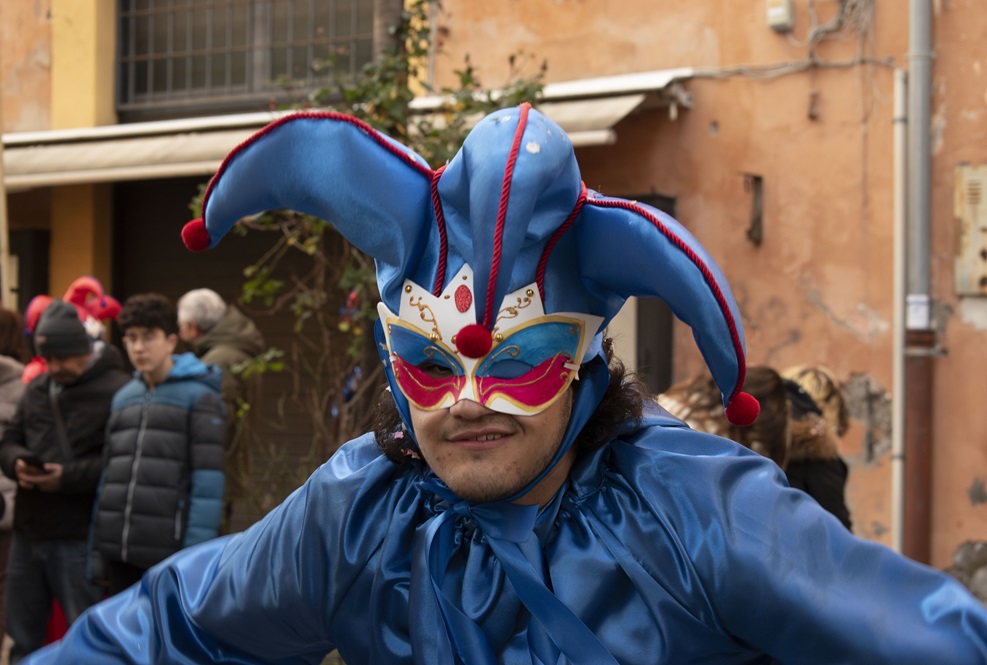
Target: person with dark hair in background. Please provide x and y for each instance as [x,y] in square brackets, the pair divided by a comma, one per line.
[790,430]
[525,503]
[697,401]
[53,449]
[162,485]
[13,354]
[819,419]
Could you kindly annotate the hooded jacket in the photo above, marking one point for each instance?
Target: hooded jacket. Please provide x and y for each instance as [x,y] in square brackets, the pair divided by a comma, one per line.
[11,391]
[234,339]
[84,406]
[162,484]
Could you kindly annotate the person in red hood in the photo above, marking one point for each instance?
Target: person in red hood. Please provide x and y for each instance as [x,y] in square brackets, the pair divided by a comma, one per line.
[93,306]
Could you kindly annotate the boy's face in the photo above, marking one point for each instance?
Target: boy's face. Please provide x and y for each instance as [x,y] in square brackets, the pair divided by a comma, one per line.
[483,455]
[148,348]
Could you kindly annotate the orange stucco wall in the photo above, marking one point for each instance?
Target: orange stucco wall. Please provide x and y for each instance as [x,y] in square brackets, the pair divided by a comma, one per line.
[56,62]
[819,287]
[25,65]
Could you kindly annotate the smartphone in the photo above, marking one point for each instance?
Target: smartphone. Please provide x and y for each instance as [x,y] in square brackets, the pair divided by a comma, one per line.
[34,461]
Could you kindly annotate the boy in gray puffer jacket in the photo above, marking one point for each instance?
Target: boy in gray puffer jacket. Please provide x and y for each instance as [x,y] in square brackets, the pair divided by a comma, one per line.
[162,483]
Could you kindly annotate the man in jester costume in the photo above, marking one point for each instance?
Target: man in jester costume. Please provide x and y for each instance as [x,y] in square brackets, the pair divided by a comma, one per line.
[526,503]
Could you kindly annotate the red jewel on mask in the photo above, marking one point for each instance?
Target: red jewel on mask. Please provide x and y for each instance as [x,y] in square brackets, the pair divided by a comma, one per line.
[463,297]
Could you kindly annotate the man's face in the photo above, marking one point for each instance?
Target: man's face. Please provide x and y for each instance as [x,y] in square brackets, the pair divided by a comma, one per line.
[188,331]
[148,348]
[483,455]
[67,369]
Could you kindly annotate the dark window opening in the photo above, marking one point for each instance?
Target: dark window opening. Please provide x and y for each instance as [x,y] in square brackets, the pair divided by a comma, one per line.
[654,324]
[184,57]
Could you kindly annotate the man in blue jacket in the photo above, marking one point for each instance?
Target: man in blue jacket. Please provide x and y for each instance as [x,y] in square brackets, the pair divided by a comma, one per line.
[523,503]
[162,484]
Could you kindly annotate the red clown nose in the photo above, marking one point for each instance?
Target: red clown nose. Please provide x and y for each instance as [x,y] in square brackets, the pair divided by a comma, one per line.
[474,341]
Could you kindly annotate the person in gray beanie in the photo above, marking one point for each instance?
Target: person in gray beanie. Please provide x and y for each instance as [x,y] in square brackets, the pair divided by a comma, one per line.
[60,332]
[53,448]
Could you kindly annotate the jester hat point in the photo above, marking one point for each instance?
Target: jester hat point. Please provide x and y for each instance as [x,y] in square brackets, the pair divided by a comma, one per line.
[497,272]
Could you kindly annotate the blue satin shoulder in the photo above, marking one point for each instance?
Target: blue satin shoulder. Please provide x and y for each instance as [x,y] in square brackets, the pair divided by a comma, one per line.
[671,546]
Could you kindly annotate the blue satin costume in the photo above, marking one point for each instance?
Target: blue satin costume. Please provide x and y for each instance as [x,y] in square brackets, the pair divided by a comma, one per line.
[672,546]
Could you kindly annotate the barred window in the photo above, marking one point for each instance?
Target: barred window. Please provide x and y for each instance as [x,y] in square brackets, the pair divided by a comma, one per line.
[182,57]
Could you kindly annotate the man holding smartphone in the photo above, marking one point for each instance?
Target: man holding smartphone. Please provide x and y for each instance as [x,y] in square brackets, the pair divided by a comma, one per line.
[53,448]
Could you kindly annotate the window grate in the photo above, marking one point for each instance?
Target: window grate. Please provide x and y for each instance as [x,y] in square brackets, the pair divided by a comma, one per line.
[188,56]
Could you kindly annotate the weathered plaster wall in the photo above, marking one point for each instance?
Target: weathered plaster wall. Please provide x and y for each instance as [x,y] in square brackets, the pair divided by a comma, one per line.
[959,126]
[819,287]
[25,65]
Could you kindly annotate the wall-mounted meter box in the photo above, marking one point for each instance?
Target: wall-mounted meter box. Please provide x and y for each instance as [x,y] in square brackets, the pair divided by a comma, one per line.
[780,17]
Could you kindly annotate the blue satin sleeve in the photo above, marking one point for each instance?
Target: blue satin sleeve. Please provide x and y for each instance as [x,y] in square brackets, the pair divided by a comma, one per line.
[268,595]
[762,563]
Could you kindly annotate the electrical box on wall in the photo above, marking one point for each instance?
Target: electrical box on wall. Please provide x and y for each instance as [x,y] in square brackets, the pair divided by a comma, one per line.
[970,210]
[780,17]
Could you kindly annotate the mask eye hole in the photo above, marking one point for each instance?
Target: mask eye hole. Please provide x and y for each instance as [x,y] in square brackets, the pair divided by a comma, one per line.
[436,370]
[508,369]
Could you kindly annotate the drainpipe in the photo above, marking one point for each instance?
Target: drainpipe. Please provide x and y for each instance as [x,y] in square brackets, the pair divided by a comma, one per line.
[900,129]
[919,336]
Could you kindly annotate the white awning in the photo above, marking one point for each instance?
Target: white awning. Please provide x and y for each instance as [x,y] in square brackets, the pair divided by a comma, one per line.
[587,109]
[109,160]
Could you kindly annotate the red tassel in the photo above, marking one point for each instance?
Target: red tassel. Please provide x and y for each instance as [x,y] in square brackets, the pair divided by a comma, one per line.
[195,236]
[743,409]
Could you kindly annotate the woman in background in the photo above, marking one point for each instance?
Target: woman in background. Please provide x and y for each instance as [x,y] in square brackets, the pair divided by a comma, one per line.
[13,354]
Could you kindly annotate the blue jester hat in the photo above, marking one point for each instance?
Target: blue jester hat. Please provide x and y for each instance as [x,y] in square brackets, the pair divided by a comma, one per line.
[504,238]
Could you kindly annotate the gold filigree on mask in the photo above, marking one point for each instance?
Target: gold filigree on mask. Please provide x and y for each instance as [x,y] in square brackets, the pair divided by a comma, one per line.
[509,312]
[427,316]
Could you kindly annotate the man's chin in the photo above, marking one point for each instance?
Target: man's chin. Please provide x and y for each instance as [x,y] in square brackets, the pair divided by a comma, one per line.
[478,492]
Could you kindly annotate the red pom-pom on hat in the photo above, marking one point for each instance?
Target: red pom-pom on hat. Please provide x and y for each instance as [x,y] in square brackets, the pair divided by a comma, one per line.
[474,341]
[743,409]
[195,236]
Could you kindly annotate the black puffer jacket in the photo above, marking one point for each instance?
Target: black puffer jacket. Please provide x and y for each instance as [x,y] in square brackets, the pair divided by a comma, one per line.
[162,488]
[85,407]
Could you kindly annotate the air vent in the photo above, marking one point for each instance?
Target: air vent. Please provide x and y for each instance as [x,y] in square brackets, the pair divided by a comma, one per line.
[971,250]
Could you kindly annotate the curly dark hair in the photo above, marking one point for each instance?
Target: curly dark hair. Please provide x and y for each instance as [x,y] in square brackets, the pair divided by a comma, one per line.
[622,402]
[149,310]
[13,342]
